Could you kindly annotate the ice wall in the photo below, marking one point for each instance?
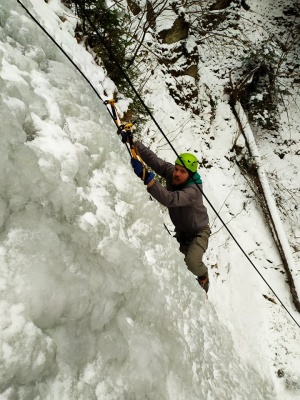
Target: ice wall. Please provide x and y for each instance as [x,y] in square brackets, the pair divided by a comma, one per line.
[95,301]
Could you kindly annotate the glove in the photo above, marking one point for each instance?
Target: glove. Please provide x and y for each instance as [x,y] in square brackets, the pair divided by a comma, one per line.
[138,170]
[127,136]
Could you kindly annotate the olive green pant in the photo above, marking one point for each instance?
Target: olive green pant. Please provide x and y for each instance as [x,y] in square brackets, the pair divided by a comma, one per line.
[194,250]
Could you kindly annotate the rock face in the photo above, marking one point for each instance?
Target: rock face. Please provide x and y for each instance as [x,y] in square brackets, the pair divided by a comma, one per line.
[134,7]
[181,61]
[176,51]
[220,4]
[179,31]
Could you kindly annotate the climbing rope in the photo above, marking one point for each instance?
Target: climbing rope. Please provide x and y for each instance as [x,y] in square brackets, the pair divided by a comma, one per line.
[115,118]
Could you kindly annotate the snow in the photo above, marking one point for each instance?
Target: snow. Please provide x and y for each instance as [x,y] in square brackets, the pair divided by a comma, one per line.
[267,192]
[95,298]
[165,20]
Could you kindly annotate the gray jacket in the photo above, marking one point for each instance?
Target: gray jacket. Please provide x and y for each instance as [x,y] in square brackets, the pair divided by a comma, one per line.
[185,206]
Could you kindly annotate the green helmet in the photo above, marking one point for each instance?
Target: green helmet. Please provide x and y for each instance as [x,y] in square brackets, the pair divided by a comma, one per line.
[189,161]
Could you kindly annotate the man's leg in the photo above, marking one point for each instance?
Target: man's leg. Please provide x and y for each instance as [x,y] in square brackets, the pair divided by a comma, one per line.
[194,255]
[193,258]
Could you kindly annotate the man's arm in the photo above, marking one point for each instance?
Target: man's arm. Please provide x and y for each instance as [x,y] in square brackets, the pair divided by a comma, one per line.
[158,165]
[178,198]
[151,183]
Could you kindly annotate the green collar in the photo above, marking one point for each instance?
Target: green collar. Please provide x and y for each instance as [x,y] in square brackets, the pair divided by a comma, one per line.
[195,179]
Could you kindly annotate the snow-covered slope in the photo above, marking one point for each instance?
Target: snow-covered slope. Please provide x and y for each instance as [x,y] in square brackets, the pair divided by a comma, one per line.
[96,302]
[263,332]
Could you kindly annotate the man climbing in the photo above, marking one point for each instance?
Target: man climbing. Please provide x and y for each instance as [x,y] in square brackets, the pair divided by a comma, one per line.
[184,201]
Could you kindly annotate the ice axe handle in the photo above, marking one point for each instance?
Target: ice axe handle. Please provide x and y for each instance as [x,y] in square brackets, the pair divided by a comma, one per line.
[135,154]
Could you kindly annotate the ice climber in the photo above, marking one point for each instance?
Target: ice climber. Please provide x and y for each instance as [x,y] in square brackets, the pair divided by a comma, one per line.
[184,201]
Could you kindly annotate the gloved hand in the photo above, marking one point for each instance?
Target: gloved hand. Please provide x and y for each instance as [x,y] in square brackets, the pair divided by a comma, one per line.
[127,136]
[138,170]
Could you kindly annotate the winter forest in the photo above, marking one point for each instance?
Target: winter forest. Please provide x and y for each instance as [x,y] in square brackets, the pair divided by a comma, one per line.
[96,302]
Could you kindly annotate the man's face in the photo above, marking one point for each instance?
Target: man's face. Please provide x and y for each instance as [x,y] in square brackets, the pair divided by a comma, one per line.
[180,175]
